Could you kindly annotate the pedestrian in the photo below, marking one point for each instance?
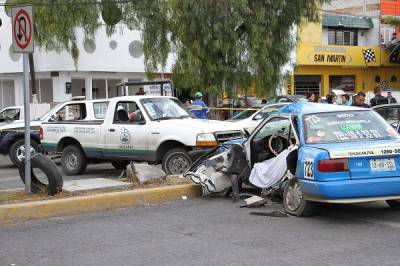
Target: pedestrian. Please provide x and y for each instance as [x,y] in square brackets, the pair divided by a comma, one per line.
[310,97]
[186,102]
[359,100]
[378,99]
[390,98]
[346,99]
[199,108]
[140,92]
[330,99]
[318,99]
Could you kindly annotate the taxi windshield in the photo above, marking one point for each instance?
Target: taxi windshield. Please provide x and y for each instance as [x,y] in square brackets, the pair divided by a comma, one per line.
[346,126]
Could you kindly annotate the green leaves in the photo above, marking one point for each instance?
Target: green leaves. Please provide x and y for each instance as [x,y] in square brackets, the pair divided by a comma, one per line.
[217,43]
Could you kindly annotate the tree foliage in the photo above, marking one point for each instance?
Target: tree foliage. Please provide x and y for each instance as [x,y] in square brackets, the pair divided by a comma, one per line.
[217,43]
[394,21]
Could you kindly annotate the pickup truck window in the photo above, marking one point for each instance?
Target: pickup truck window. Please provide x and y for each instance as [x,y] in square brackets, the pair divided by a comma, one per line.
[70,112]
[164,108]
[10,114]
[128,112]
[100,109]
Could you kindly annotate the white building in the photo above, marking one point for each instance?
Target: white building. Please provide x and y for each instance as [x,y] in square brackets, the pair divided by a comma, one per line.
[101,65]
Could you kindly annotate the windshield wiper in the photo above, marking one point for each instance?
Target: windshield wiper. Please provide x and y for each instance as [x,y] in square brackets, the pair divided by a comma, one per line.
[164,118]
[183,116]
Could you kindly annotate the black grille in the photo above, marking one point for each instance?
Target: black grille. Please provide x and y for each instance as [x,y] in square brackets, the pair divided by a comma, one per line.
[228,135]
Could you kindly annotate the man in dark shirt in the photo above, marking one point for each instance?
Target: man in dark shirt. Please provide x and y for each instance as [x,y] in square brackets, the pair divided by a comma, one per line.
[390,98]
[378,99]
[359,100]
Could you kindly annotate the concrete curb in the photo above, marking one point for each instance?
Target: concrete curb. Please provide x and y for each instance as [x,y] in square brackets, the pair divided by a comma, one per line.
[98,202]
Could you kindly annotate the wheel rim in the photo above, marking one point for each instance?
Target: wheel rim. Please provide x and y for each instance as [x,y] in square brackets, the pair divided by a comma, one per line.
[178,164]
[294,196]
[71,160]
[21,152]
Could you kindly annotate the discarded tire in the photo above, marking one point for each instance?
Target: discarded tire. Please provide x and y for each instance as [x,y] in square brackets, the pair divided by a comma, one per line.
[49,168]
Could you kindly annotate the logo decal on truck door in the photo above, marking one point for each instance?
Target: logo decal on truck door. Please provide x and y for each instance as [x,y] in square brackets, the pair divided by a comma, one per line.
[125,136]
[309,169]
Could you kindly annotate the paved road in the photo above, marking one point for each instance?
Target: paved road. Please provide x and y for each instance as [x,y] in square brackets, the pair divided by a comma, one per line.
[207,232]
[10,179]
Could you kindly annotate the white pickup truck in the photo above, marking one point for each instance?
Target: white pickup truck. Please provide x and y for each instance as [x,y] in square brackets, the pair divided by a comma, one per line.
[156,129]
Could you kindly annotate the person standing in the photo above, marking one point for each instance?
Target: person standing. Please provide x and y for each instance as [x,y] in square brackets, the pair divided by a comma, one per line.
[310,97]
[199,108]
[390,98]
[346,99]
[378,99]
[359,100]
[140,92]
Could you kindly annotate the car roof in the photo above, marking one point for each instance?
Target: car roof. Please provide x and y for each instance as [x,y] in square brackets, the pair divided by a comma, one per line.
[312,108]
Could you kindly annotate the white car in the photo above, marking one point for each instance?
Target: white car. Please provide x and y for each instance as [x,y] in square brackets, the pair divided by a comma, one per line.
[250,118]
[16,113]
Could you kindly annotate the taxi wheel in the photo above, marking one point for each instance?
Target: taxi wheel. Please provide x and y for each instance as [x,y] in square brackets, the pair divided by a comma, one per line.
[294,202]
[394,204]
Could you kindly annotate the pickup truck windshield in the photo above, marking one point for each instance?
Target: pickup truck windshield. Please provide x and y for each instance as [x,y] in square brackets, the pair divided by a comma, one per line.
[346,126]
[164,108]
[10,114]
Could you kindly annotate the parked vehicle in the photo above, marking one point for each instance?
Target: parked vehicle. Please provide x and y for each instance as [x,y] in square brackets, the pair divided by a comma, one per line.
[391,113]
[12,134]
[250,118]
[344,155]
[288,99]
[16,113]
[137,128]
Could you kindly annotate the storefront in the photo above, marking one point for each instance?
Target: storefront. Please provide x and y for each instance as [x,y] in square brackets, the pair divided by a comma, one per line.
[323,68]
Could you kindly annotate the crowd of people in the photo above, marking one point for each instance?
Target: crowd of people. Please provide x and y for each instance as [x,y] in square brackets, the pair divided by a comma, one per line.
[358,99]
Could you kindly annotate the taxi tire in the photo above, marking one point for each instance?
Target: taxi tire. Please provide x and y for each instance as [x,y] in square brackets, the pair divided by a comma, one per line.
[394,204]
[14,149]
[305,208]
[81,160]
[172,153]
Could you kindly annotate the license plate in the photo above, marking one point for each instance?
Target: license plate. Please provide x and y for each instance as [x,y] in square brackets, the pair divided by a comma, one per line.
[382,165]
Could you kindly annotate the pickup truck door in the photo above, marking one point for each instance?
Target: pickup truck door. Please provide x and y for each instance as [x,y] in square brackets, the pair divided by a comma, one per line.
[127,136]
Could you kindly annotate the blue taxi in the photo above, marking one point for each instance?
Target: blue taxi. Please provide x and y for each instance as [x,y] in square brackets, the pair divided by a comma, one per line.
[345,155]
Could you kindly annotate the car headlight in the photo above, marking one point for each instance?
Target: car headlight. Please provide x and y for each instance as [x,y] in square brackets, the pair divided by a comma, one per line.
[206,140]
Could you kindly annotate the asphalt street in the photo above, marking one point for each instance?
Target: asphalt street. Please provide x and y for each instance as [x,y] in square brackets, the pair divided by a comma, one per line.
[10,179]
[207,232]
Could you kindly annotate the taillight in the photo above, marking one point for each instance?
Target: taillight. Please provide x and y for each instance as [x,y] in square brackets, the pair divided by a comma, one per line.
[41,133]
[333,165]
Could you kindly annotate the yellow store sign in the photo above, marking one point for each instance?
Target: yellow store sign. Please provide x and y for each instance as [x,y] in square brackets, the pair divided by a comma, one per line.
[332,55]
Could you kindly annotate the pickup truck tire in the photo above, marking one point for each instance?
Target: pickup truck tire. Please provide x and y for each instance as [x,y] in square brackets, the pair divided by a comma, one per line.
[73,160]
[294,202]
[17,151]
[119,165]
[47,166]
[176,161]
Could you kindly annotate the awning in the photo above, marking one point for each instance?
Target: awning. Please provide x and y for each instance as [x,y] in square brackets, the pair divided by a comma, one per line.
[347,22]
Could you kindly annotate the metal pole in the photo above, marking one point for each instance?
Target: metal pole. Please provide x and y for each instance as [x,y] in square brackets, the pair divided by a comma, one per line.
[27,124]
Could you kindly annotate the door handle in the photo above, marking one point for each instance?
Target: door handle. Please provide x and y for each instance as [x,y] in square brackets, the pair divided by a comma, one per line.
[111,129]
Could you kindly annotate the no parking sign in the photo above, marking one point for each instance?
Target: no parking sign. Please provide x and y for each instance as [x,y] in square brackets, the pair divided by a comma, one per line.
[22,29]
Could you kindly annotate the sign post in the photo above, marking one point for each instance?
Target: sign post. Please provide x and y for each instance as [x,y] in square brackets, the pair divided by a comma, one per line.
[22,36]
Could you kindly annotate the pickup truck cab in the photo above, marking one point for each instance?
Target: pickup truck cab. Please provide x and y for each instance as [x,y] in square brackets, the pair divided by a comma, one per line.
[155,129]
[16,113]
[12,133]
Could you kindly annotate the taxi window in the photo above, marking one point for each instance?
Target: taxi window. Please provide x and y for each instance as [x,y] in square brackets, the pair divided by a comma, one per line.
[346,126]
[274,126]
[390,114]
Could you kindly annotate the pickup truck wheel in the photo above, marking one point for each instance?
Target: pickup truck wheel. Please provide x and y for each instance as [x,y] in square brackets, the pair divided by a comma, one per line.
[394,204]
[176,161]
[294,202]
[17,151]
[120,165]
[73,160]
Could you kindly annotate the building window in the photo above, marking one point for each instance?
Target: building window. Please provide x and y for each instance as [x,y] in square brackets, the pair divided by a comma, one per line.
[377,79]
[342,36]
[393,79]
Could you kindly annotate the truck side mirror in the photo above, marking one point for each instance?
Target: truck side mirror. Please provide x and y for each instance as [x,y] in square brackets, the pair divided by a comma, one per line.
[52,118]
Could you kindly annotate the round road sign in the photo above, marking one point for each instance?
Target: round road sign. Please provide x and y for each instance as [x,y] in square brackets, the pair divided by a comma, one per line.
[22,29]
